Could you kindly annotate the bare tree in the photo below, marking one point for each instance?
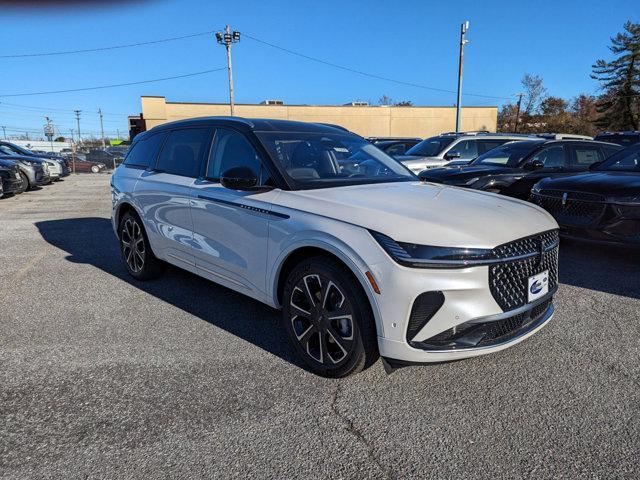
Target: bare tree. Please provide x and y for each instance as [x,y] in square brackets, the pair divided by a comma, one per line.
[534,93]
[385,100]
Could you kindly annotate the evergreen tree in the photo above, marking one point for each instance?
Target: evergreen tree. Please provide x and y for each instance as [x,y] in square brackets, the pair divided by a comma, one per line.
[619,106]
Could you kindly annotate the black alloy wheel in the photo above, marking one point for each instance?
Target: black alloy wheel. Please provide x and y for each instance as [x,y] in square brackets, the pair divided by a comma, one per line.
[329,319]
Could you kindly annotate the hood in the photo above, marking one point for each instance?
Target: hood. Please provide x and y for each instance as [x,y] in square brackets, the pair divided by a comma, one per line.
[404,158]
[7,164]
[462,173]
[425,213]
[604,183]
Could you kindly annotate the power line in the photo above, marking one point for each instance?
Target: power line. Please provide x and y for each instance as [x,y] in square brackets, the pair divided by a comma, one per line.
[366,74]
[102,49]
[114,85]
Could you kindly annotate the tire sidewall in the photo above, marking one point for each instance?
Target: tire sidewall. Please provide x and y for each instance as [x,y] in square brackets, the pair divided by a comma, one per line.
[145,272]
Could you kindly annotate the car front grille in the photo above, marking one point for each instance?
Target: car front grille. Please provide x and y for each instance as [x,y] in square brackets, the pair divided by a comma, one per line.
[508,281]
[577,209]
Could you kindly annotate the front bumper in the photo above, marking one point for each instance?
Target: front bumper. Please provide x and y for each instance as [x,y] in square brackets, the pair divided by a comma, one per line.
[483,309]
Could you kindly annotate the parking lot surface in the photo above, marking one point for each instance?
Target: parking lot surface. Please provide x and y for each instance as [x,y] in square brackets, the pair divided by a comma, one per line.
[103,376]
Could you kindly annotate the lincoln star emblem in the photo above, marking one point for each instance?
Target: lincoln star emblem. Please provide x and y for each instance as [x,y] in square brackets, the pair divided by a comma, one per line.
[564,199]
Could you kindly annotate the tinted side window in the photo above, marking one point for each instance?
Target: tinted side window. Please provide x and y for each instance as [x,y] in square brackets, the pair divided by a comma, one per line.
[144,151]
[552,157]
[232,149]
[485,145]
[585,155]
[466,148]
[184,151]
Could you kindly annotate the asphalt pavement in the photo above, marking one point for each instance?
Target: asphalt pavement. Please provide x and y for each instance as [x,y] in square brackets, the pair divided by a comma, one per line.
[102,376]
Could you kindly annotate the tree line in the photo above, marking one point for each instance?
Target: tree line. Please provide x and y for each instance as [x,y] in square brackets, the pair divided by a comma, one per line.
[616,108]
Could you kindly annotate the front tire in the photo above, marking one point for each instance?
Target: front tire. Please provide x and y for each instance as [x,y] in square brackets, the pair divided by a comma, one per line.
[95,169]
[329,319]
[25,183]
[135,250]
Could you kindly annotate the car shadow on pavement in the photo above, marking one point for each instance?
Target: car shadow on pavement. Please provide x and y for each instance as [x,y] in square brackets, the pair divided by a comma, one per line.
[92,241]
[608,269]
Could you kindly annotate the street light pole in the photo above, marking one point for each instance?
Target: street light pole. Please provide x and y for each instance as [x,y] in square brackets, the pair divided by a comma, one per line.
[463,29]
[227,38]
[4,131]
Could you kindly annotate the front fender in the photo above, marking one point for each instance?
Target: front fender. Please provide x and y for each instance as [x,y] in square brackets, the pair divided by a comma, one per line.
[333,245]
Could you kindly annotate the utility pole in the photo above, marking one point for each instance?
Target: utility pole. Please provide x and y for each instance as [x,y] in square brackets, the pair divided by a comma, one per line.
[463,29]
[4,131]
[104,146]
[49,131]
[515,129]
[71,130]
[77,112]
[227,38]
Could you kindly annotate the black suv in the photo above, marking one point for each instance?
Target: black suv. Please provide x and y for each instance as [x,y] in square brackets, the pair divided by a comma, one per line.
[621,138]
[601,205]
[513,168]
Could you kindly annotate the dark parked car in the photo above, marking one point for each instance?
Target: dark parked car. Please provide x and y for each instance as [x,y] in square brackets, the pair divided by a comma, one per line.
[82,165]
[100,156]
[602,205]
[513,168]
[8,147]
[621,138]
[10,178]
[394,146]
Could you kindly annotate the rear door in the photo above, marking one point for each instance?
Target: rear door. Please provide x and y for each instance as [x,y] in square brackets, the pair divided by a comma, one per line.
[163,193]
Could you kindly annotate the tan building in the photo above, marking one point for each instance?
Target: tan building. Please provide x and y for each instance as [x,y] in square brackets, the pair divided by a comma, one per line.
[368,121]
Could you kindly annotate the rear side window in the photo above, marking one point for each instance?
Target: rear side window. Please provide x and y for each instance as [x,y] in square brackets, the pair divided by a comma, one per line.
[184,151]
[610,150]
[144,151]
[586,155]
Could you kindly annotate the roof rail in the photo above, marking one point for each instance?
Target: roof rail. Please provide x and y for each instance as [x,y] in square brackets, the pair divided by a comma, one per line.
[474,132]
[563,136]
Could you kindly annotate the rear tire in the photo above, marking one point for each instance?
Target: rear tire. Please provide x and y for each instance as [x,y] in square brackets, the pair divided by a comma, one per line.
[135,250]
[95,169]
[329,319]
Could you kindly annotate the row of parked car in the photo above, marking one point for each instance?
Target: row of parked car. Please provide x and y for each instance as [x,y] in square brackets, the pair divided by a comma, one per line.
[22,169]
[590,186]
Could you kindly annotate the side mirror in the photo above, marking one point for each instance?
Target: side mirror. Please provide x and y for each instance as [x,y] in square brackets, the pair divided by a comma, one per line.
[594,166]
[239,178]
[452,155]
[534,165]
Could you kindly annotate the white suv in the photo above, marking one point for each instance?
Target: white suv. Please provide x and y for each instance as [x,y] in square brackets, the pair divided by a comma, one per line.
[362,258]
[446,148]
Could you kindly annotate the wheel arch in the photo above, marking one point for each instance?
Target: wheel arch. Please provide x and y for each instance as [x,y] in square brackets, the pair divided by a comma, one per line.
[295,254]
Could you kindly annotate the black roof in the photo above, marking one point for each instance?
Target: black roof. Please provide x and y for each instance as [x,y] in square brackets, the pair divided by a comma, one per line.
[256,124]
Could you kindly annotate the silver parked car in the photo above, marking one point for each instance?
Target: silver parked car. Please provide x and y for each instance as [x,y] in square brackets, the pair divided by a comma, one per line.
[461,147]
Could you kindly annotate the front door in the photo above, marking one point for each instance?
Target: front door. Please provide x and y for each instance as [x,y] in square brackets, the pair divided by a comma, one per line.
[230,227]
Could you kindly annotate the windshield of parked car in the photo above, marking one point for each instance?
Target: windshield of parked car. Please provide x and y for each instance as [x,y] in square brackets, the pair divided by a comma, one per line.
[4,150]
[627,160]
[507,155]
[430,147]
[319,160]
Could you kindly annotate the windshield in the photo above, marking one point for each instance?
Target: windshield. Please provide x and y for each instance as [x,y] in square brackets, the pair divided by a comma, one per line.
[627,160]
[4,150]
[319,160]
[507,155]
[430,147]
[16,149]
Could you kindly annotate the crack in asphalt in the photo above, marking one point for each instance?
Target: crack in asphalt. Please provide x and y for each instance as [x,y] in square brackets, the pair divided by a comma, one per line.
[357,433]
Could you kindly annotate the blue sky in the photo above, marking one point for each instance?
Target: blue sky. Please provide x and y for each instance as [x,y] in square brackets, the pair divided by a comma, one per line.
[412,41]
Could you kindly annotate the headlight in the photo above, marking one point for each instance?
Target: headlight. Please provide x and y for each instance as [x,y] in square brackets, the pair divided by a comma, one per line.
[536,188]
[45,167]
[426,256]
[625,200]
